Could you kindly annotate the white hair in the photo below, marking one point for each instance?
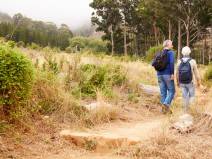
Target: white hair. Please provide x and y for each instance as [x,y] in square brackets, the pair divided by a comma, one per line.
[186,51]
[166,42]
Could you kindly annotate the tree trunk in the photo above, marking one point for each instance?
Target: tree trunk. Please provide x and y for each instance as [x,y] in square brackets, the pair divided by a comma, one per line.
[187,37]
[204,51]
[200,56]
[125,39]
[145,45]
[170,30]
[155,32]
[179,39]
[136,44]
[112,40]
[209,53]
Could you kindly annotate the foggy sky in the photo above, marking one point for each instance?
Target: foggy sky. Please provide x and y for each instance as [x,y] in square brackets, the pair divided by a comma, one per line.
[71,12]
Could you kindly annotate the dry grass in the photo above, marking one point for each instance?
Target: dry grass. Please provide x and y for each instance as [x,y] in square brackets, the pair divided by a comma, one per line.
[103,113]
[137,71]
[171,146]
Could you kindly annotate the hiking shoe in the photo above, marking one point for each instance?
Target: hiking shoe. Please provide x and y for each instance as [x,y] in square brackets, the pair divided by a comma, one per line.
[169,111]
[166,109]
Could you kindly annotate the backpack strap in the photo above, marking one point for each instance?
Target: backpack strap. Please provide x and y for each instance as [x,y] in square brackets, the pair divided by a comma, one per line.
[189,59]
[186,61]
[165,51]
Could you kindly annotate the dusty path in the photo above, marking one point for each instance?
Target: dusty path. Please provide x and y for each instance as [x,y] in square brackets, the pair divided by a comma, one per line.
[134,131]
[110,138]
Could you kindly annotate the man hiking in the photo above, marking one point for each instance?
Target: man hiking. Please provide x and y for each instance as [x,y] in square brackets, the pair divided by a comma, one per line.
[164,65]
[186,71]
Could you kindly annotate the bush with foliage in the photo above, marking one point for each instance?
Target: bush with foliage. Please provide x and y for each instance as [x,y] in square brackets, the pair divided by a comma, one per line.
[97,45]
[85,43]
[53,66]
[35,46]
[11,44]
[70,50]
[152,52]
[101,78]
[16,77]
[78,41]
[49,49]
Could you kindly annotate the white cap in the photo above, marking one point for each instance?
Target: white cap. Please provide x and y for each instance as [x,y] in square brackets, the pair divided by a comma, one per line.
[186,51]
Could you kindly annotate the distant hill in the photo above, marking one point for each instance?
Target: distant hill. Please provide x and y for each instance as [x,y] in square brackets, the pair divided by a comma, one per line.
[27,30]
[5,17]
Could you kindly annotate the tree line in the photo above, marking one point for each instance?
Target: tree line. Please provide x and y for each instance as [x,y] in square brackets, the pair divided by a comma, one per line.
[19,28]
[132,26]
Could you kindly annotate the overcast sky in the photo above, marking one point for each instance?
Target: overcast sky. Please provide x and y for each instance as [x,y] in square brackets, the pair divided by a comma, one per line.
[72,12]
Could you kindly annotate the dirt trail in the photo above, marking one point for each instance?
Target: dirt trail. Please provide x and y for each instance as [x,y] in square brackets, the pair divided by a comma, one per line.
[109,139]
[116,135]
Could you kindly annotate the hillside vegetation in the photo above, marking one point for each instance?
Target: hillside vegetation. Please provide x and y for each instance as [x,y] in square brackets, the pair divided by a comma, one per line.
[64,81]
[47,91]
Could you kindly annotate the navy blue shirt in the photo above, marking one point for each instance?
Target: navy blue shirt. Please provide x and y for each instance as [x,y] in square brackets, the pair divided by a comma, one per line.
[170,66]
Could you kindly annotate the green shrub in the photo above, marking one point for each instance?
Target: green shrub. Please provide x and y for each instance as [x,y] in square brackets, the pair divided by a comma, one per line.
[97,45]
[101,78]
[49,49]
[116,76]
[80,42]
[88,44]
[11,44]
[69,50]
[35,46]
[16,77]
[53,66]
[208,74]
[152,52]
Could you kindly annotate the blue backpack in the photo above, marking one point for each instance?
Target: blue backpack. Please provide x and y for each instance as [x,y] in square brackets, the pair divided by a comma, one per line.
[185,72]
